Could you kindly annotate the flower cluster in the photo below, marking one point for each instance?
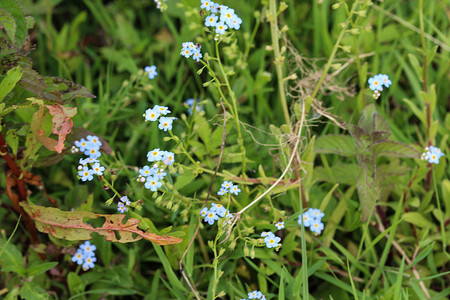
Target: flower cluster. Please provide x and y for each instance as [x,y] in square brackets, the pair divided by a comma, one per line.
[221,17]
[312,219]
[152,114]
[153,176]
[216,211]
[255,295]
[190,49]
[85,256]
[90,147]
[432,155]
[271,240]
[228,186]
[151,71]
[123,204]
[376,84]
[193,104]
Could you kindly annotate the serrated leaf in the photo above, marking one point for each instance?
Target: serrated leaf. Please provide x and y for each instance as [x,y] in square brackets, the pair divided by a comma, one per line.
[31,21]
[62,123]
[15,10]
[11,260]
[393,149]
[70,225]
[66,89]
[342,173]
[8,23]
[337,144]
[368,191]
[31,291]
[417,219]
[10,81]
[41,268]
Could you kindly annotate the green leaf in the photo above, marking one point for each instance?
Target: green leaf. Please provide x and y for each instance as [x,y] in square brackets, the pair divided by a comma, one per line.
[417,219]
[183,180]
[337,144]
[76,285]
[369,192]
[393,149]
[331,255]
[31,291]
[71,225]
[16,11]
[11,260]
[9,82]
[308,165]
[31,21]
[416,111]
[12,140]
[8,23]
[41,268]
[415,64]
[424,253]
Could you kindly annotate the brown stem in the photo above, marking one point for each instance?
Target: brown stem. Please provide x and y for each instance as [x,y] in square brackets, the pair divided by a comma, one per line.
[15,180]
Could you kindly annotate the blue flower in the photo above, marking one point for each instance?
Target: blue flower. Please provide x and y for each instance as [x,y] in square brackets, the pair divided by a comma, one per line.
[163,110]
[384,80]
[88,248]
[279,225]
[236,23]
[234,190]
[375,83]
[165,123]
[152,183]
[272,241]
[254,295]
[211,20]
[161,174]
[265,234]
[125,200]
[204,212]
[197,56]
[82,144]
[222,192]
[92,160]
[432,154]
[86,174]
[121,207]
[168,158]
[154,155]
[78,257]
[151,115]
[206,5]
[189,48]
[316,226]
[227,16]
[151,71]
[98,169]
[89,262]
[306,219]
[315,213]
[218,209]
[94,140]
[147,171]
[221,28]
[213,7]
[83,162]
[211,217]
[93,151]
[227,184]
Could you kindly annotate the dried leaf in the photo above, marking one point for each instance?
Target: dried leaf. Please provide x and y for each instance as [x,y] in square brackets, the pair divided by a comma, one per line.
[70,225]
[62,122]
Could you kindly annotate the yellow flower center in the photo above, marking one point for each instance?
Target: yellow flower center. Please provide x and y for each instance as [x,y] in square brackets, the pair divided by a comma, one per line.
[271,241]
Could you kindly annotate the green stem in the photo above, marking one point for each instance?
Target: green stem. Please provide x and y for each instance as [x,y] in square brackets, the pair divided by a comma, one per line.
[278,58]
[424,47]
[304,251]
[335,48]
[183,148]
[235,110]
[111,187]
